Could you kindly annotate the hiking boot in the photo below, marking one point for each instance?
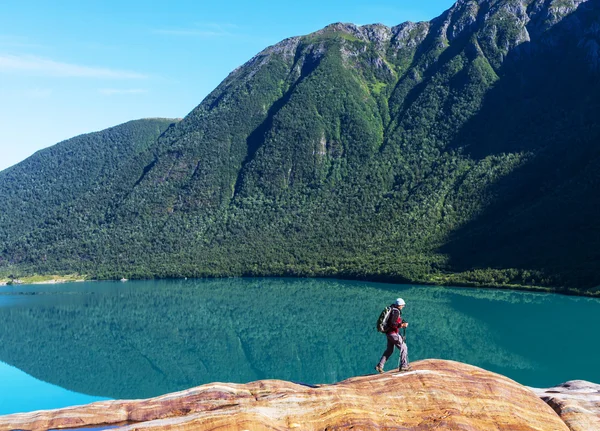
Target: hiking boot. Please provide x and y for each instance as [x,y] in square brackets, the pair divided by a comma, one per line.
[379,369]
[405,368]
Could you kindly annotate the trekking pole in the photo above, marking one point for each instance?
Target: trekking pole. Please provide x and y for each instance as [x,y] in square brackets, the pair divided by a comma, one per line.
[404,334]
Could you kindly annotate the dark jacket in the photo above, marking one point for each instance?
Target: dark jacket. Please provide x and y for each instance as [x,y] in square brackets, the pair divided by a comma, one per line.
[394,321]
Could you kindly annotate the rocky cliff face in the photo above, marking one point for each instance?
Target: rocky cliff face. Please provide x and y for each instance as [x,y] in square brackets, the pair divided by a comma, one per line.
[436,395]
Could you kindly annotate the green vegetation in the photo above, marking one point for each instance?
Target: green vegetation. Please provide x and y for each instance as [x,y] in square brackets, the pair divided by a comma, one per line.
[74,181]
[424,157]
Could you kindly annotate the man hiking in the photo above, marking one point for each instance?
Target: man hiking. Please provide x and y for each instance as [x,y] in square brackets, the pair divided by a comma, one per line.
[394,323]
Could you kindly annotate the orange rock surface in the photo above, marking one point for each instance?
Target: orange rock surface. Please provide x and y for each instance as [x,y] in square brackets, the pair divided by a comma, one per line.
[436,395]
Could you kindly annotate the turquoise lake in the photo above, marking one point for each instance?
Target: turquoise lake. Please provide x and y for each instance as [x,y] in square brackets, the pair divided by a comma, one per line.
[75,343]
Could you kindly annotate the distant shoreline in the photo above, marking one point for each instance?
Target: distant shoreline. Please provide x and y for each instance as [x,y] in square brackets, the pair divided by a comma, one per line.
[42,280]
[57,281]
[37,279]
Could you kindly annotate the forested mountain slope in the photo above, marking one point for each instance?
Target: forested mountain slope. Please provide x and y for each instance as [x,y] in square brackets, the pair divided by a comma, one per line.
[464,149]
[73,181]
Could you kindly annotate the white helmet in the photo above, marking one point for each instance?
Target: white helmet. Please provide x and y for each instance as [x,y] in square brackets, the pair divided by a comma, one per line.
[400,301]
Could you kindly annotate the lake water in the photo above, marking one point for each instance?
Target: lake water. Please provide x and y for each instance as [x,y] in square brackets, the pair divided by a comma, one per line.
[76,343]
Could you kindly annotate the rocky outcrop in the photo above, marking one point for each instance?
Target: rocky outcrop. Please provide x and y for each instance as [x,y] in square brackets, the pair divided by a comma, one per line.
[577,403]
[436,395]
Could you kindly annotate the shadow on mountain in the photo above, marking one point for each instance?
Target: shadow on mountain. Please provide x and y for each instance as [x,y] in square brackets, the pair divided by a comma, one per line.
[257,137]
[537,109]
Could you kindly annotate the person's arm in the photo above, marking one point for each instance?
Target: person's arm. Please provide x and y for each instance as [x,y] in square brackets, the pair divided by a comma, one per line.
[403,323]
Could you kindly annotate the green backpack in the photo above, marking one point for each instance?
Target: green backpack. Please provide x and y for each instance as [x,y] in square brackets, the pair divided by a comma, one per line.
[382,322]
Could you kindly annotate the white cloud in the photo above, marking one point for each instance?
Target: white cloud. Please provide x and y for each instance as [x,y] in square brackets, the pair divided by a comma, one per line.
[218,25]
[113,91]
[47,67]
[193,32]
[11,41]
[38,93]
[208,29]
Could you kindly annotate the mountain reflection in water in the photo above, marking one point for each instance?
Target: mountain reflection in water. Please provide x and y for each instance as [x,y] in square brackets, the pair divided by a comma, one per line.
[145,338]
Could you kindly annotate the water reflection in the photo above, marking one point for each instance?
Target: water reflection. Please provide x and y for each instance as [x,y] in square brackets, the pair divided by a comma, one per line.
[141,339]
[20,392]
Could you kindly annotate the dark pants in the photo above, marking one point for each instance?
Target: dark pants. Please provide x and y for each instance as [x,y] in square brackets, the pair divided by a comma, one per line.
[395,340]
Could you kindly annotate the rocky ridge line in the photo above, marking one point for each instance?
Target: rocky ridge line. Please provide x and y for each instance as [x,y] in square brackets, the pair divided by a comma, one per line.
[437,394]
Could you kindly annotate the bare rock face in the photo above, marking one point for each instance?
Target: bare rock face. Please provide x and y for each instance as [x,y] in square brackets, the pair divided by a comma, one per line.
[436,395]
[577,403]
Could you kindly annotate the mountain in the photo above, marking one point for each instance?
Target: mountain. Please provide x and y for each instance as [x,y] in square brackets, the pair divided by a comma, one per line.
[460,150]
[83,175]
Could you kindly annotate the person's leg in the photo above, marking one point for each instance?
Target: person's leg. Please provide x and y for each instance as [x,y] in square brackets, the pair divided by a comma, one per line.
[388,352]
[397,341]
[404,365]
[401,345]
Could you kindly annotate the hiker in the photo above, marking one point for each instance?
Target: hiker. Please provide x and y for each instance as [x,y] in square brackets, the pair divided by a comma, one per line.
[394,323]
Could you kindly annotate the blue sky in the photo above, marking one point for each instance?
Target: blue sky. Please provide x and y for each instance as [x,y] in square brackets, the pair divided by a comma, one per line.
[71,67]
